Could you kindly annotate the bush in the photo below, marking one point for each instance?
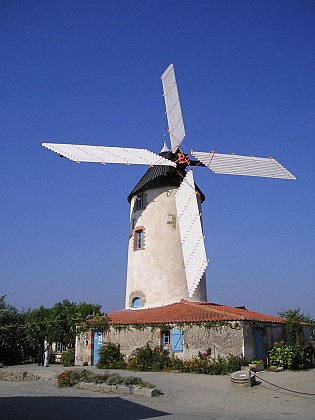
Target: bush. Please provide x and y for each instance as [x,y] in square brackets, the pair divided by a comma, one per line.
[52,358]
[289,357]
[147,359]
[69,378]
[204,363]
[110,357]
[67,358]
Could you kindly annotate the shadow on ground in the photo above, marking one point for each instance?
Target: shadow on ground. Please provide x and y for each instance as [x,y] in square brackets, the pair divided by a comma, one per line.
[62,408]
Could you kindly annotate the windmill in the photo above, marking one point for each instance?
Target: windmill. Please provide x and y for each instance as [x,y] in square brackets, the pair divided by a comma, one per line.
[166,254]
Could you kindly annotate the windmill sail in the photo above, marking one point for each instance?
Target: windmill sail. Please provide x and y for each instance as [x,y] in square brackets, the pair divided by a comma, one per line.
[83,153]
[242,165]
[173,109]
[194,253]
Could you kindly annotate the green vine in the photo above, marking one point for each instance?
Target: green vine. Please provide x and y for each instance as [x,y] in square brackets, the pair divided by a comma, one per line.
[94,322]
[162,326]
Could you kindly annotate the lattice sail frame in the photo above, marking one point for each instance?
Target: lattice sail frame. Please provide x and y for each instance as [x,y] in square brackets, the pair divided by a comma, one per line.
[190,229]
[243,165]
[174,115]
[84,153]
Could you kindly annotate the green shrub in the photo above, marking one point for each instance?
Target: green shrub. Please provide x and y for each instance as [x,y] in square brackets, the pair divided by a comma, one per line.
[147,359]
[234,363]
[110,357]
[52,358]
[204,363]
[176,364]
[66,379]
[225,366]
[289,357]
[69,378]
[67,358]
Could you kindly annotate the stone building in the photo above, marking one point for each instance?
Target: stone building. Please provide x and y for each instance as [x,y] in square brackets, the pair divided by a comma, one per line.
[186,328]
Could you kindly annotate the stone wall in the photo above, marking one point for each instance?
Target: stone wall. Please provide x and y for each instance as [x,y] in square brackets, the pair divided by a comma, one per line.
[249,342]
[270,334]
[222,340]
[130,339]
[83,349]
[275,333]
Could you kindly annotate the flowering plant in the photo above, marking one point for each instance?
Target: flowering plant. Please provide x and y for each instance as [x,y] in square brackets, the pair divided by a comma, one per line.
[288,357]
[206,354]
[204,363]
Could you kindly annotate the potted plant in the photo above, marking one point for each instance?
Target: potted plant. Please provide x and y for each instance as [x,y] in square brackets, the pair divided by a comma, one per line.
[256,365]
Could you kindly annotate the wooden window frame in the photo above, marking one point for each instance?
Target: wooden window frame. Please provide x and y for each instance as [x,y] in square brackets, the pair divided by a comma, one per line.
[138,231]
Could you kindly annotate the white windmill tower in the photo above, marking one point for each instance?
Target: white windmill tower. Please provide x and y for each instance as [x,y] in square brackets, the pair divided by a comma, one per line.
[166,254]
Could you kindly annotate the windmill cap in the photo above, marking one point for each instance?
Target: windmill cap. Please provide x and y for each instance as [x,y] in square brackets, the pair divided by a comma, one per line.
[157,177]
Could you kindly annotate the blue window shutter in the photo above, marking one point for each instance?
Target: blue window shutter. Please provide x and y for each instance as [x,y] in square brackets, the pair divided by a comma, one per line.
[177,340]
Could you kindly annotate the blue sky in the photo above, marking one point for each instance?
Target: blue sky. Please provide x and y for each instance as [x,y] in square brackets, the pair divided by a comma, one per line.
[89,72]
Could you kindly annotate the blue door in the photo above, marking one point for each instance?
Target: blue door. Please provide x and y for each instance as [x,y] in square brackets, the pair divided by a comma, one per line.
[259,351]
[98,344]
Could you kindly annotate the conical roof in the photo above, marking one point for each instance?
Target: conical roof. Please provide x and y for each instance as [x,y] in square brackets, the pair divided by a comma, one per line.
[160,176]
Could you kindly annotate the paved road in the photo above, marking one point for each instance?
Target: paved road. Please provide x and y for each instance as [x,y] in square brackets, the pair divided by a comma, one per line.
[186,396]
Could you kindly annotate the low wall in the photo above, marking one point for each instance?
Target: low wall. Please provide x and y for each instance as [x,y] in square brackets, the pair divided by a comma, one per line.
[15,376]
[120,389]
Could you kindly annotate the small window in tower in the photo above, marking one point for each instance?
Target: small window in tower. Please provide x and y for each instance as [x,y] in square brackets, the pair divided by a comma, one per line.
[139,204]
[136,302]
[139,239]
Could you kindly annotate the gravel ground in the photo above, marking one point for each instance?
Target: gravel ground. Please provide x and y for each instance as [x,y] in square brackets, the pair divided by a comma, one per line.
[185,396]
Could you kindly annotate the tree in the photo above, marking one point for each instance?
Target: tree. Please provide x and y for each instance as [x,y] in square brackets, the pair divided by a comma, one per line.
[295,326]
[22,332]
[12,335]
[37,326]
[66,316]
[58,323]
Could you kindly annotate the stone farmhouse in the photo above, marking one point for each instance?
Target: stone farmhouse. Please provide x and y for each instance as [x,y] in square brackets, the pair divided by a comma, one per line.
[184,329]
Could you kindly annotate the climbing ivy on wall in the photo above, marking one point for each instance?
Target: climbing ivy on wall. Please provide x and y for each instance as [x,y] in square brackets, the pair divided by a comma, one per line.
[163,326]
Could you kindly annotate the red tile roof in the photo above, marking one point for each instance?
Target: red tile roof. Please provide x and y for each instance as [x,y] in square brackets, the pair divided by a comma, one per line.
[185,311]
